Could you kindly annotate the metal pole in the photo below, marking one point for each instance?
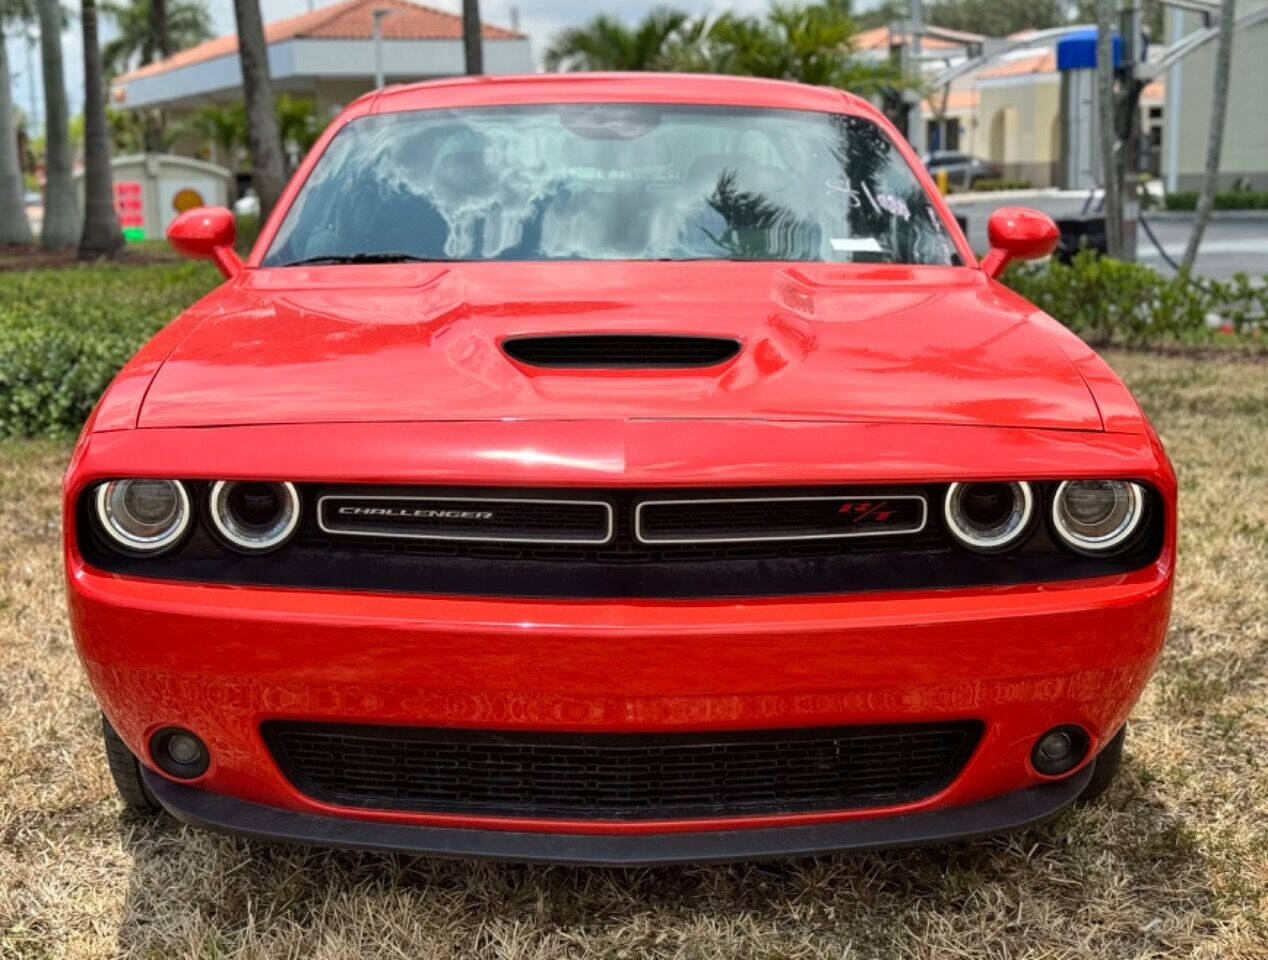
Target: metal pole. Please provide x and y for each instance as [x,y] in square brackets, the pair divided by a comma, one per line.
[378,16]
[1173,106]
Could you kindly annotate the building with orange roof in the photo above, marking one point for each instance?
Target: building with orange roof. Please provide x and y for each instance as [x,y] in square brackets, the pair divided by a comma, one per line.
[326,54]
[1019,106]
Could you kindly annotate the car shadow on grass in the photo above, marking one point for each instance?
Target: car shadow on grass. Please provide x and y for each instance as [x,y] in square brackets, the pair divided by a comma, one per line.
[1116,876]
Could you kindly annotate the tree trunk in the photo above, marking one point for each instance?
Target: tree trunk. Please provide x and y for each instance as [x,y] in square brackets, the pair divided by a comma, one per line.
[1107,118]
[61,211]
[101,236]
[159,49]
[1214,137]
[159,43]
[472,36]
[14,227]
[268,166]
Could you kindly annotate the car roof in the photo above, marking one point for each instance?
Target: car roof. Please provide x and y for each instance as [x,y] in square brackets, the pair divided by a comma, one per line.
[610,88]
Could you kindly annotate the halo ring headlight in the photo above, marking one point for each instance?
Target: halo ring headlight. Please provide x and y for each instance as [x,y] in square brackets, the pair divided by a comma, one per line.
[1095,516]
[989,517]
[142,514]
[254,516]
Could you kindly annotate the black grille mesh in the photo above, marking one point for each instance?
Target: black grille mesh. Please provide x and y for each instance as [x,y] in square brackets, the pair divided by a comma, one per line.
[620,776]
[489,518]
[615,351]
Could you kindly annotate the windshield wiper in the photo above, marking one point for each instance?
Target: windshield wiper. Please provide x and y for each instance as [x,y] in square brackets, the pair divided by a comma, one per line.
[362,258]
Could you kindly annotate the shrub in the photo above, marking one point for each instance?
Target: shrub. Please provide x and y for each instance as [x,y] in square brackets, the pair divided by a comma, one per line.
[986,184]
[1112,302]
[1224,200]
[248,228]
[64,334]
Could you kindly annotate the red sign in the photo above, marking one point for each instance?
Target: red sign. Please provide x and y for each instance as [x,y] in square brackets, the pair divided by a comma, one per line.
[129,204]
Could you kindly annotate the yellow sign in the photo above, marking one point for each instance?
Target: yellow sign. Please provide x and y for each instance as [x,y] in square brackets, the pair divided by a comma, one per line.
[187,199]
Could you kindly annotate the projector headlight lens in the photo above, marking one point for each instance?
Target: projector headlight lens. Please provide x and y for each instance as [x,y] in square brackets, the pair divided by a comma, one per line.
[143,515]
[988,517]
[1093,516]
[254,516]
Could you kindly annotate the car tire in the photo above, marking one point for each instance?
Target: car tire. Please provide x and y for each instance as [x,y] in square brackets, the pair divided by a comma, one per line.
[125,769]
[1105,767]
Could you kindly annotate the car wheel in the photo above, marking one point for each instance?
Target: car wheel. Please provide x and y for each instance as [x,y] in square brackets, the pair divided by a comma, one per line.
[1105,767]
[126,771]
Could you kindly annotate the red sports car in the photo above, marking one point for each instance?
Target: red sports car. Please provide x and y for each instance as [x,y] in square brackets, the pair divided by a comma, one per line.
[616,469]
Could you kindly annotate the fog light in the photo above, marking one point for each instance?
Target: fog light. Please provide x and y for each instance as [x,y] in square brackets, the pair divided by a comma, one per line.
[1059,750]
[179,753]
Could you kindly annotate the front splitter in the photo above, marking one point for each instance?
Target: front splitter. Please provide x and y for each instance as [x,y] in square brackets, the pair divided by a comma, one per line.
[1012,811]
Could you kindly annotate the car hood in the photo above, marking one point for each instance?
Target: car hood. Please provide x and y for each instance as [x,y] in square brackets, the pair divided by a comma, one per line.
[413,342]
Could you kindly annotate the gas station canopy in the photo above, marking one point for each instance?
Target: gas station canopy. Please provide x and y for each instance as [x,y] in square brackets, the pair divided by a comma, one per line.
[328,53]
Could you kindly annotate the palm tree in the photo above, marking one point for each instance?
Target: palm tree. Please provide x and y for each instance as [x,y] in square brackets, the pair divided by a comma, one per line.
[61,212]
[185,23]
[1106,118]
[268,166]
[808,44]
[101,235]
[298,124]
[14,226]
[224,129]
[150,30]
[471,37]
[604,43]
[1214,136]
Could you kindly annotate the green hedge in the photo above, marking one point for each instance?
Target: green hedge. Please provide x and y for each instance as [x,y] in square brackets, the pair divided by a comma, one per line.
[1224,200]
[1111,302]
[64,334]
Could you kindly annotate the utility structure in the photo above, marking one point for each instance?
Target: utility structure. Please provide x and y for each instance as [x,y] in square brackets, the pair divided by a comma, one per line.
[1133,71]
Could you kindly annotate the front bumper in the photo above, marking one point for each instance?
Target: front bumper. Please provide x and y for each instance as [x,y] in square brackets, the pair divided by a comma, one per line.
[222,660]
[1013,811]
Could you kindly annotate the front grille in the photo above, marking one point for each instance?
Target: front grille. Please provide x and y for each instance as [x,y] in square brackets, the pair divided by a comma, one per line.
[713,545]
[771,518]
[621,351]
[488,519]
[620,776]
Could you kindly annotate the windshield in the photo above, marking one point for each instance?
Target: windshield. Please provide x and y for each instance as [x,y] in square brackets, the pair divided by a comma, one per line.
[612,182]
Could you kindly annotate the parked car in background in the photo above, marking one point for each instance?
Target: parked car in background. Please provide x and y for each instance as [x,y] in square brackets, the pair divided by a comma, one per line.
[962,170]
[616,469]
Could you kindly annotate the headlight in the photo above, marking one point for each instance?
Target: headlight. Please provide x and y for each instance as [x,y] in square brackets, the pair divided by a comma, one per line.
[254,516]
[1093,516]
[988,516]
[143,515]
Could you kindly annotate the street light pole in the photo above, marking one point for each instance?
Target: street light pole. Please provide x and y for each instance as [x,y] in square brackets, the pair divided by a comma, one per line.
[916,119]
[378,16]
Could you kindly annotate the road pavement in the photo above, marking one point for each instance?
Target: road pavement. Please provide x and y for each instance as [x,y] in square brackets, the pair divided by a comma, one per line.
[1235,240]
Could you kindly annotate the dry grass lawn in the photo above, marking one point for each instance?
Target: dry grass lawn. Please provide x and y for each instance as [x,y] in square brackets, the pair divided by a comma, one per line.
[1174,863]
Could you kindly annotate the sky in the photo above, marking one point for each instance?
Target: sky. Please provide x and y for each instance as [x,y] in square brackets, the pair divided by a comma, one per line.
[540,19]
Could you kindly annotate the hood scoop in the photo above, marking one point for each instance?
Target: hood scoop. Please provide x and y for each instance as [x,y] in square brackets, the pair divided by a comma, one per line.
[621,351]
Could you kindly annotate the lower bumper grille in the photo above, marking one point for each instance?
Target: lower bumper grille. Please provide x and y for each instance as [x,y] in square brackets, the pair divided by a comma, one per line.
[620,776]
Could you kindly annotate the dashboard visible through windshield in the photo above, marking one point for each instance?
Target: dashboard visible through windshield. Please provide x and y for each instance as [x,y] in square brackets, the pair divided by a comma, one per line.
[612,181]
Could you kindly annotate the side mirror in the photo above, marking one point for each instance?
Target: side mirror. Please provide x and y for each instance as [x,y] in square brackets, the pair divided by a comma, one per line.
[1018,233]
[207,233]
